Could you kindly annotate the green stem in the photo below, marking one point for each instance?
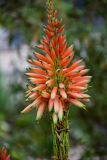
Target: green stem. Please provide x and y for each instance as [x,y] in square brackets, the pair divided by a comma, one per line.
[61,138]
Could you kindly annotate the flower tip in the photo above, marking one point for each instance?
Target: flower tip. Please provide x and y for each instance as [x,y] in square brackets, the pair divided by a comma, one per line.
[25,74]
[50,109]
[49,83]
[26,100]
[22,112]
[63,93]
[88,70]
[52,97]
[60,118]
[65,97]
[53,93]
[56,105]
[84,107]
[72,46]
[27,109]
[61,85]
[37,118]
[51,104]
[33,90]
[55,118]
[56,110]
[88,96]
[90,77]
[81,60]
[40,111]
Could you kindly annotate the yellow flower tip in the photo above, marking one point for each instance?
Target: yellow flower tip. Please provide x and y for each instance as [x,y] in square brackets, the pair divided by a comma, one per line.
[50,82]
[45,94]
[60,116]
[63,93]
[25,74]
[72,46]
[50,109]
[53,93]
[55,118]
[56,105]
[27,109]
[26,100]
[86,96]
[40,111]
[37,118]
[79,61]
[61,85]
[84,107]
[60,111]
[33,90]
[51,104]
[22,112]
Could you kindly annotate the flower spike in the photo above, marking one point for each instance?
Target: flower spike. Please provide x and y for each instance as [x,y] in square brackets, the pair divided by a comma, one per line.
[55,80]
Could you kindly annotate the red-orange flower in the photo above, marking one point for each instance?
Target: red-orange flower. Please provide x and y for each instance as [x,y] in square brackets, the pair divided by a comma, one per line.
[55,79]
[3,155]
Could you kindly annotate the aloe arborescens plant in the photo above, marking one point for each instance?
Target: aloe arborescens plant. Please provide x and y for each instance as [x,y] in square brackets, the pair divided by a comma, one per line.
[55,81]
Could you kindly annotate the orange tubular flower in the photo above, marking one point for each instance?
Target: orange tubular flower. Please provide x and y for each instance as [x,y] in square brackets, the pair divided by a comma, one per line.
[55,80]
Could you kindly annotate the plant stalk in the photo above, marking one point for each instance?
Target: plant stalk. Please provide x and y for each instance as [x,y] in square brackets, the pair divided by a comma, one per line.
[61,138]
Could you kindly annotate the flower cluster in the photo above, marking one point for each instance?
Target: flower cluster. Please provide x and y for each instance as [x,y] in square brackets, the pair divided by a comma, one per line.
[55,80]
[3,155]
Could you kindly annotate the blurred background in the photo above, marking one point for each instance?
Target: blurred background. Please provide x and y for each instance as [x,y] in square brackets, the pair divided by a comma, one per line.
[21,26]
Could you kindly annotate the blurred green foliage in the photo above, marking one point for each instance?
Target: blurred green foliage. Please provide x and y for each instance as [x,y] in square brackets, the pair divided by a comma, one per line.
[22,134]
[86,28]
